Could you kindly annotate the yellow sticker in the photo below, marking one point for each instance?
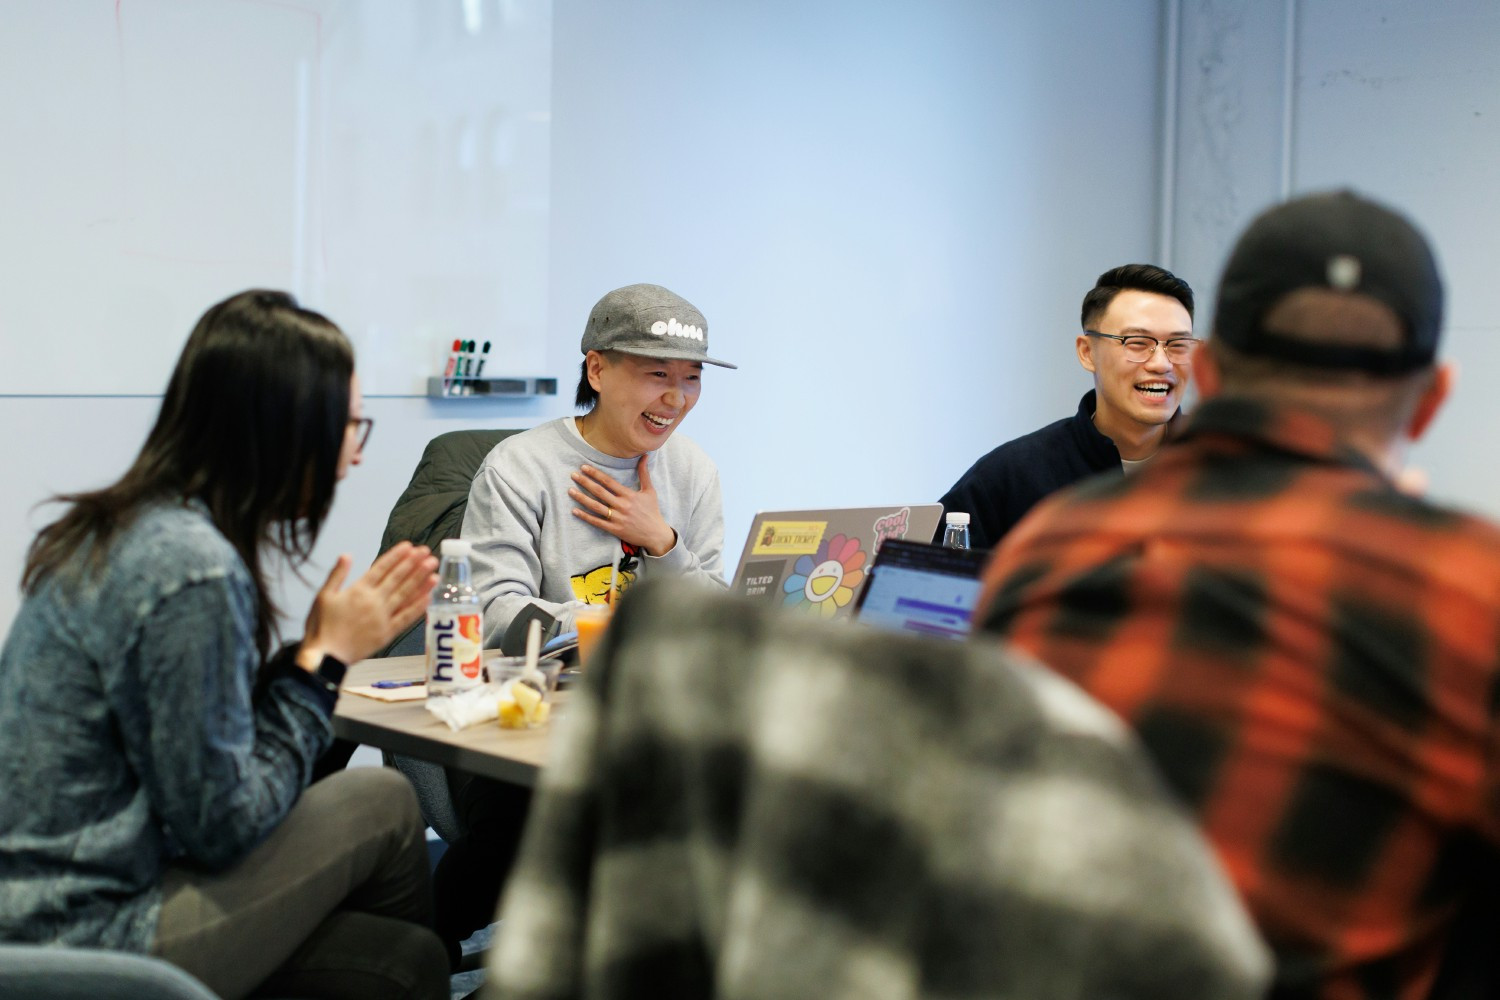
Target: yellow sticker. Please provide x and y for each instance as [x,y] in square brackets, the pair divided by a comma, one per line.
[788,538]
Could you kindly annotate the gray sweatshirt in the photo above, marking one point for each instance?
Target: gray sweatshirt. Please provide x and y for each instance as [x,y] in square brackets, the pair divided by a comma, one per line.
[530,548]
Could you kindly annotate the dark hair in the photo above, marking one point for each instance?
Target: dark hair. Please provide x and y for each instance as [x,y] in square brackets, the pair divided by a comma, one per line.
[252,424]
[586,396]
[1137,278]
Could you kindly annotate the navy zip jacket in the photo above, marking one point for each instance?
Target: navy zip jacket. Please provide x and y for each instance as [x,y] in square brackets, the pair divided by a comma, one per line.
[1001,487]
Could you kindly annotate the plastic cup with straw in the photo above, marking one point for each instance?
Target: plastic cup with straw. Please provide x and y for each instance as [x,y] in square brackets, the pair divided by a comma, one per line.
[526,684]
[533,644]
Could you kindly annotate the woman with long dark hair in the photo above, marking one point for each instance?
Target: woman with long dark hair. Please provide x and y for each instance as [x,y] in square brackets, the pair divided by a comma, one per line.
[155,752]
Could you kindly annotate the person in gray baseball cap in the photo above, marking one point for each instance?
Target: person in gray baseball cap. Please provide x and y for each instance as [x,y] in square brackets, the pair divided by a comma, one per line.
[573,512]
[553,510]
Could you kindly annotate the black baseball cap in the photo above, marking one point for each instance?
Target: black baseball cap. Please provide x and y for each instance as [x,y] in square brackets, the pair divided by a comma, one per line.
[1345,242]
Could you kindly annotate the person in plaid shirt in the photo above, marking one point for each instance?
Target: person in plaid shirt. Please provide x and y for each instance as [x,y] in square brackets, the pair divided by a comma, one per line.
[741,804]
[1310,653]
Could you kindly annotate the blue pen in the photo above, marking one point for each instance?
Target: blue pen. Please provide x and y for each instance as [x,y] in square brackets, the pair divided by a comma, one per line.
[396,684]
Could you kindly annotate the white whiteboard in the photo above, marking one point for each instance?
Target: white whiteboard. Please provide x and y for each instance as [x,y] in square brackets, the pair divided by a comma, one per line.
[387,161]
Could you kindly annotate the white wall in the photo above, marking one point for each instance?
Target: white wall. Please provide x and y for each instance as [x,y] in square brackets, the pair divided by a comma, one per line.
[888,212]
[1399,99]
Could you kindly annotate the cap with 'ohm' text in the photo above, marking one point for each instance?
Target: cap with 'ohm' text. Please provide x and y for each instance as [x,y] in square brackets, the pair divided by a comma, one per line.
[649,321]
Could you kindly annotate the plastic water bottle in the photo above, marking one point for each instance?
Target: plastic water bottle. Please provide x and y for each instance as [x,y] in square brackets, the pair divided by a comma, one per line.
[956,533]
[454,625]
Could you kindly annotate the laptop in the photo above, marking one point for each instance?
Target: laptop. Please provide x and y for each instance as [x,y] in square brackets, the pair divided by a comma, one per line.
[816,560]
[922,588]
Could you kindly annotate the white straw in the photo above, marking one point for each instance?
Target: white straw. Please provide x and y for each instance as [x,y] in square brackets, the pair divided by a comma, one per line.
[614,571]
[533,644]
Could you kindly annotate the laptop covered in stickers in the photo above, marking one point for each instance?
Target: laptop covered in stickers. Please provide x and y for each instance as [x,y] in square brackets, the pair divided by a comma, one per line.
[815,561]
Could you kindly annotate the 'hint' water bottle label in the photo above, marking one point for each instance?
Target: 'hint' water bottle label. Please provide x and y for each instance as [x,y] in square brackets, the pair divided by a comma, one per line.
[453,651]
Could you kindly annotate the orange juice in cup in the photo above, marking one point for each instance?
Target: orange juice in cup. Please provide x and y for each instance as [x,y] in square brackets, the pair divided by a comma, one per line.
[590,620]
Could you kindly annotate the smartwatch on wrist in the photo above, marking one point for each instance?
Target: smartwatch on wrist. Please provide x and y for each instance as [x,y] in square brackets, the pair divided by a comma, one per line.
[330,674]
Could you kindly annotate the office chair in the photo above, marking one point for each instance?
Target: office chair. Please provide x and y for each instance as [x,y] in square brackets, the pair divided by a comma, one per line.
[39,972]
[430,509]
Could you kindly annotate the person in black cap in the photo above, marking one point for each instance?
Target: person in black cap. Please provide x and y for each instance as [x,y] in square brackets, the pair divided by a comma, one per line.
[1310,652]
[1135,339]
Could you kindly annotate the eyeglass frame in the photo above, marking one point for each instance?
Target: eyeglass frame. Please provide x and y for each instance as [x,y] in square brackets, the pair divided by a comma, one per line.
[362,428]
[1164,345]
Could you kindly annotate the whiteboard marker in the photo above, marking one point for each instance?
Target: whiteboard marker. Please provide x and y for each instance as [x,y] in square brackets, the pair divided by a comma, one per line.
[452,366]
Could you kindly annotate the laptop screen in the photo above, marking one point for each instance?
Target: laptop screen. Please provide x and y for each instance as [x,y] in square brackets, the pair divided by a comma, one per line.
[920,588]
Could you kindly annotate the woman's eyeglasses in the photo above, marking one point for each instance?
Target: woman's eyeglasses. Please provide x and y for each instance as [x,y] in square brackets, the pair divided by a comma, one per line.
[362,427]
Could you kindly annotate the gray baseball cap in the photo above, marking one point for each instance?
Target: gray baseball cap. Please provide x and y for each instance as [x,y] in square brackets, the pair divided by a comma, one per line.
[650,321]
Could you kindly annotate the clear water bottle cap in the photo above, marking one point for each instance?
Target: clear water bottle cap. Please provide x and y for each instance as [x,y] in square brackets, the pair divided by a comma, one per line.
[957,517]
[455,547]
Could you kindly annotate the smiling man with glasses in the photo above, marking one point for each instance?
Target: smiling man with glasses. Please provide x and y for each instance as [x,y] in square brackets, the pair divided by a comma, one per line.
[1136,339]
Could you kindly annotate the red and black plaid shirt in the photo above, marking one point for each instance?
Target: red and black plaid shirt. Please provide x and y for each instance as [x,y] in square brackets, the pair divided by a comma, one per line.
[1310,655]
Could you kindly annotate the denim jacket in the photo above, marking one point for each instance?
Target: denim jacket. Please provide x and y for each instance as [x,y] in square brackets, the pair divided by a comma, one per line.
[128,735]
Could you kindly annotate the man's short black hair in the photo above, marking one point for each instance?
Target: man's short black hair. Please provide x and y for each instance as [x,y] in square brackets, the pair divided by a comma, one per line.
[1137,278]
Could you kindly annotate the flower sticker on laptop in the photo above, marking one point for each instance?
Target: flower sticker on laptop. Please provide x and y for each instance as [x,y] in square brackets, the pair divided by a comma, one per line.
[826,581]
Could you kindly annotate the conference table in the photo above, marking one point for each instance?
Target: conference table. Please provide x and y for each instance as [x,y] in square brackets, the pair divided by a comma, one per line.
[406,727]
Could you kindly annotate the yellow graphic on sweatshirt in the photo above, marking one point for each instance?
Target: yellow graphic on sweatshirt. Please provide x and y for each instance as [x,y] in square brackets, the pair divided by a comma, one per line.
[593,586]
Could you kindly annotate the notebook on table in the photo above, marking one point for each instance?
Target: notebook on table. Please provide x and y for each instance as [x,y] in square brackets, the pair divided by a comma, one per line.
[922,588]
[815,560]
